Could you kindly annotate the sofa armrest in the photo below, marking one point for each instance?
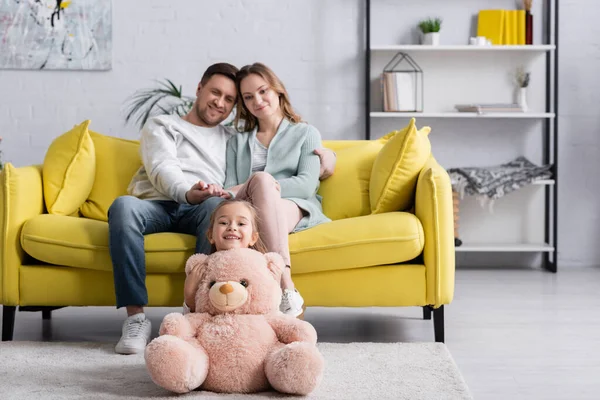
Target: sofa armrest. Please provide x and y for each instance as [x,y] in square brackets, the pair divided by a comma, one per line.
[433,207]
[21,198]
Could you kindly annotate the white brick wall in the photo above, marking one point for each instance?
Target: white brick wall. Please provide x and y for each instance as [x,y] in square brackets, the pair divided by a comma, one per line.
[313,46]
[316,47]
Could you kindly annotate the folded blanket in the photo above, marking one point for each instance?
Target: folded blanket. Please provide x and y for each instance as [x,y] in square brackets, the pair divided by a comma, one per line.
[491,183]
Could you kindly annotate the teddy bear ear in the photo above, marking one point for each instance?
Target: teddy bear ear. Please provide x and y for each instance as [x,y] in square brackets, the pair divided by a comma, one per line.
[275,264]
[194,262]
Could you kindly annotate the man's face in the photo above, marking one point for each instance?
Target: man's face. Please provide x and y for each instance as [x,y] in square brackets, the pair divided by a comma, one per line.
[215,100]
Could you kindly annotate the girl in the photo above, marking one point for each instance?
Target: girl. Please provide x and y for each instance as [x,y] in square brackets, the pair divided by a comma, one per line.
[233,225]
[273,165]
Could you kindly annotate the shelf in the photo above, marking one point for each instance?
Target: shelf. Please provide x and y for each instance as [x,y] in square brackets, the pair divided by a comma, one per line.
[416,47]
[548,182]
[529,115]
[505,248]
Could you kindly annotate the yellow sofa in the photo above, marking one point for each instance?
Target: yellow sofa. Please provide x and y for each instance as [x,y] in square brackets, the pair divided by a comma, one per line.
[365,257]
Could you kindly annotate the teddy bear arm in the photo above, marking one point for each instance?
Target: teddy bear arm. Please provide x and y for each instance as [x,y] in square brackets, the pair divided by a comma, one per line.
[196,320]
[176,324]
[290,329]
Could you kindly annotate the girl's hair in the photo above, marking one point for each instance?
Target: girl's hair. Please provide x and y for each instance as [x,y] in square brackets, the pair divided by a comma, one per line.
[243,114]
[259,245]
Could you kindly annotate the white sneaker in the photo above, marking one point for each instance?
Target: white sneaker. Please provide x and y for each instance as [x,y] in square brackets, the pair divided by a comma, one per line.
[136,334]
[291,303]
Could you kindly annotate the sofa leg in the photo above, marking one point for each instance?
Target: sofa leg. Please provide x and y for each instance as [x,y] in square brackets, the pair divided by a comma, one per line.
[46,310]
[427,312]
[438,324]
[8,322]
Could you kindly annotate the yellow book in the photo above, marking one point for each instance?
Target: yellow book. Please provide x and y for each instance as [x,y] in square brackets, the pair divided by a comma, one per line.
[508,28]
[521,27]
[490,23]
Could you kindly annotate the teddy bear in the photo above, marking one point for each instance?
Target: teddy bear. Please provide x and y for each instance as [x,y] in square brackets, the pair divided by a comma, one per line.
[236,340]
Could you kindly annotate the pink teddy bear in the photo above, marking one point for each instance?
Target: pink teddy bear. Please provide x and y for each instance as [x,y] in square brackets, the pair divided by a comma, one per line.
[237,340]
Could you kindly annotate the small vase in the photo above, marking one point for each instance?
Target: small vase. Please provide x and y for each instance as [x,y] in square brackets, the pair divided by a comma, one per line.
[431,39]
[522,99]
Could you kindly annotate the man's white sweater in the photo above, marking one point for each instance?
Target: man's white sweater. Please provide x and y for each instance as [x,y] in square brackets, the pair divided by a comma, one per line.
[176,155]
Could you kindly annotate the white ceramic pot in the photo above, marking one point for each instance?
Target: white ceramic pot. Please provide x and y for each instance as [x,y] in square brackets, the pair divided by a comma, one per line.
[522,98]
[431,39]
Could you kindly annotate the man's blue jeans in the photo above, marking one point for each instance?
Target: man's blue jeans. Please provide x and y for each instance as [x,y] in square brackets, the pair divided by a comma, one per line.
[129,219]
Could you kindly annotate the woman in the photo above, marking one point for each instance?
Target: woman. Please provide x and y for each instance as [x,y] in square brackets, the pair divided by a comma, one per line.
[273,165]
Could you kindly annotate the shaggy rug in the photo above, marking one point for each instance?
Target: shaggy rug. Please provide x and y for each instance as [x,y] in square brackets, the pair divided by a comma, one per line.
[55,370]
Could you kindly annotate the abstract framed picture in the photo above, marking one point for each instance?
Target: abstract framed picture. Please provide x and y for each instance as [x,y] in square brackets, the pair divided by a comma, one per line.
[56,35]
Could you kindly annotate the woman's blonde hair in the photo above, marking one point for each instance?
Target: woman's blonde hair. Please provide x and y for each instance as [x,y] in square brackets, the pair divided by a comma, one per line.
[243,114]
[259,245]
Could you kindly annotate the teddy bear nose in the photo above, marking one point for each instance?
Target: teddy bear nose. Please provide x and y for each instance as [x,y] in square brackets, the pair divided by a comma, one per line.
[226,288]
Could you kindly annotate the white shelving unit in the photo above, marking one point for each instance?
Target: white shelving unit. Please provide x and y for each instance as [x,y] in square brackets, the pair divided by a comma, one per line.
[442,48]
[450,114]
[441,94]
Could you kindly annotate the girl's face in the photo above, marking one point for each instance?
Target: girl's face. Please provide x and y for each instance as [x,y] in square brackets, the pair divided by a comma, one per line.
[260,99]
[233,228]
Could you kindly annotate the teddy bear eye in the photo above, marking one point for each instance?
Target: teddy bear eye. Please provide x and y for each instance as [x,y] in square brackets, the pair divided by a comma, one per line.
[211,284]
[244,283]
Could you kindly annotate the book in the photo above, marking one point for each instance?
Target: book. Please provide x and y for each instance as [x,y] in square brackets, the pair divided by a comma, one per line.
[489,108]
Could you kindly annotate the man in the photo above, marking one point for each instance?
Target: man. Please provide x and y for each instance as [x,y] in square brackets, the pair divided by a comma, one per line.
[176,189]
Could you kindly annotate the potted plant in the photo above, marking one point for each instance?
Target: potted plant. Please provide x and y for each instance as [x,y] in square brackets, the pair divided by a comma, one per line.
[430,31]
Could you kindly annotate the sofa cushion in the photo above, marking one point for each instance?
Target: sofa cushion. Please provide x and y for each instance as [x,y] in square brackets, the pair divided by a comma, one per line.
[357,242]
[344,244]
[396,169]
[68,170]
[117,160]
[83,243]
[346,193]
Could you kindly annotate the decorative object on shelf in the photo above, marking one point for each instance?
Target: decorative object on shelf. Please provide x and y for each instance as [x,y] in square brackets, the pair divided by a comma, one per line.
[56,35]
[402,88]
[479,41]
[491,183]
[430,31]
[522,78]
[528,21]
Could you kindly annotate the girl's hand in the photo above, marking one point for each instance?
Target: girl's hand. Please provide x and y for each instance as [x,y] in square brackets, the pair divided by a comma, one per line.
[190,287]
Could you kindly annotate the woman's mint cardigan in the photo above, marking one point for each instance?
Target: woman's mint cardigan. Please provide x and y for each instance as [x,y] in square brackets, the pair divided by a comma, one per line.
[290,160]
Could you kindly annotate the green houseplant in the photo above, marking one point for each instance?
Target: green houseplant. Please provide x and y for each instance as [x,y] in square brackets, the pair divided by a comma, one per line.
[430,31]
[166,98]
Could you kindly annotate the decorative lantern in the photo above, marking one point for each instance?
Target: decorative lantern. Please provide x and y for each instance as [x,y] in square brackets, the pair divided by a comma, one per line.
[402,85]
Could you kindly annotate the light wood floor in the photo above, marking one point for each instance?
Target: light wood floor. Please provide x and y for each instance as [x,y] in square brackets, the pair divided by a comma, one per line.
[514,333]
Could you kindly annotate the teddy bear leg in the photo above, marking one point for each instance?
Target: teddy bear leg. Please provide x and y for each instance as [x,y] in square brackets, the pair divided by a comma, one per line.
[296,368]
[175,364]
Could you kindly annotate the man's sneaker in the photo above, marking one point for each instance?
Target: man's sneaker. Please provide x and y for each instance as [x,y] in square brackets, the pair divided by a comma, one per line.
[136,334]
[292,303]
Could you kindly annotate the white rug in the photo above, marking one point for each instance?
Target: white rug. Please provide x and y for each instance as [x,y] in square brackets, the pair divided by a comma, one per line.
[53,370]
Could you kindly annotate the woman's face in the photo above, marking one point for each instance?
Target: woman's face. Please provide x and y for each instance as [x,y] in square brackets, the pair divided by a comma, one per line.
[260,99]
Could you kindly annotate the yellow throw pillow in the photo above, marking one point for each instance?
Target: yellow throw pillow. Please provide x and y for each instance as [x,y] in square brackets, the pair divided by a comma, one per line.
[396,169]
[346,193]
[68,170]
[117,160]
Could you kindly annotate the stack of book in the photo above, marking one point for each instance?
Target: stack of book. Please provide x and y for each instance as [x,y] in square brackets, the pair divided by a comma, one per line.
[489,108]
[505,27]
